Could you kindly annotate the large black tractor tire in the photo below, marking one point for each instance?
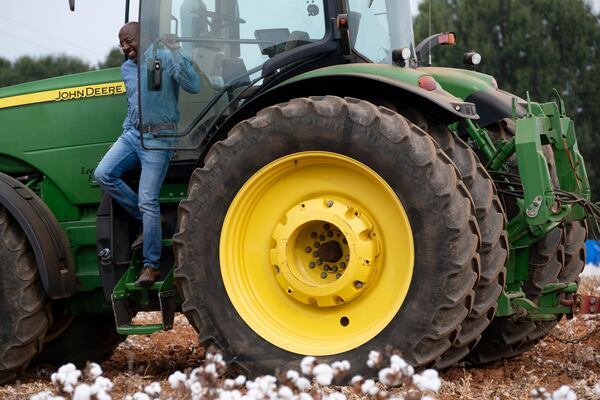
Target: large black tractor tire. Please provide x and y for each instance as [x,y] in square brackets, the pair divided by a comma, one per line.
[23,302]
[80,339]
[494,241]
[440,212]
[507,337]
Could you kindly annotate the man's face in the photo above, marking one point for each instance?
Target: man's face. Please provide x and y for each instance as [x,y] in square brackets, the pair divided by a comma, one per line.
[128,40]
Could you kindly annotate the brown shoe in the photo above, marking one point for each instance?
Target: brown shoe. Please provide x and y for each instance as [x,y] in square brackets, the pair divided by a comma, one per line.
[148,276]
[138,242]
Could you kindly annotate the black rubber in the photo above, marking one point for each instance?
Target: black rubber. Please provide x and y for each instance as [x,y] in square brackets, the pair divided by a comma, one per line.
[494,242]
[23,303]
[439,207]
[87,338]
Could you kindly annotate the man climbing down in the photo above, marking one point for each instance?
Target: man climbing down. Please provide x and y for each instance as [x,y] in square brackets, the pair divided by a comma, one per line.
[160,114]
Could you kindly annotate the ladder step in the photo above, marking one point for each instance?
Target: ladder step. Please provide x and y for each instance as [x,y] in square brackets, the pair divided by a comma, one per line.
[139,329]
[132,288]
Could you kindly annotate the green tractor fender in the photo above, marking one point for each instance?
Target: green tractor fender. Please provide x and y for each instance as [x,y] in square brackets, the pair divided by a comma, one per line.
[49,244]
[384,85]
[480,89]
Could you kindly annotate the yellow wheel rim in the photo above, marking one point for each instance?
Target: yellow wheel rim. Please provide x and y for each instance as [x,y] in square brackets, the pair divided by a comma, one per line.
[316,253]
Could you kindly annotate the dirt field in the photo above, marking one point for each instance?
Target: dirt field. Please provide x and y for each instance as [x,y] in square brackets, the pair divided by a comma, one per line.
[141,360]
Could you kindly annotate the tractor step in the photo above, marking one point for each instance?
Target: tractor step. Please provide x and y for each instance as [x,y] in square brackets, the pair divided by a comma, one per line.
[130,329]
[128,299]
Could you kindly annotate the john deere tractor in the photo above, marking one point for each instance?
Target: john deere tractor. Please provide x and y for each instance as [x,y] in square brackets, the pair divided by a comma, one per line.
[331,194]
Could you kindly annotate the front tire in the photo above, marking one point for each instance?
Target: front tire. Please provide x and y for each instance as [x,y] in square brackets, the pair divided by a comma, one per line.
[380,185]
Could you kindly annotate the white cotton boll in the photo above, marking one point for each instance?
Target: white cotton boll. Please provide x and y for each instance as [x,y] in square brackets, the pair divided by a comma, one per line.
[211,369]
[196,389]
[323,373]
[94,370]
[128,397]
[427,398]
[140,396]
[103,384]
[303,384]
[306,365]
[240,380]
[355,379]
[46,395]
[82,392]
[367,386]
[374,359]
[596,389]
[218,358]
[102,395]
[305,396]
[230,395]
[285,393]
[335,396]
[66,377]
[176,379]
[389,377]
[292,375]
[428,380]
[398,364]
[153,389]
[196,372]
[228,384]
[564,393]
[341,366]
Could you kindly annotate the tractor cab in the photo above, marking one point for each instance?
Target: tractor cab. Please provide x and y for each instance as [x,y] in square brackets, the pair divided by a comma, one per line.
[242,48]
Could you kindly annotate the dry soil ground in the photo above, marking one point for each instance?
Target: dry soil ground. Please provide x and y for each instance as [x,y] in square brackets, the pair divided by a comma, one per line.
[144,359]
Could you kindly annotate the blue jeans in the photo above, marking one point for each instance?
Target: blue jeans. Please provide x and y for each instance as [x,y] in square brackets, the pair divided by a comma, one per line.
[123,156]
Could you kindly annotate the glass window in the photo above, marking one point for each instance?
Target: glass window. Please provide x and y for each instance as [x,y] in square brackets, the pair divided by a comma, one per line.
[379,26]
[227,42]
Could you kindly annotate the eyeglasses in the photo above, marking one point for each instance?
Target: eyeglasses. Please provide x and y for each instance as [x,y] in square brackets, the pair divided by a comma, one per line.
[126,41]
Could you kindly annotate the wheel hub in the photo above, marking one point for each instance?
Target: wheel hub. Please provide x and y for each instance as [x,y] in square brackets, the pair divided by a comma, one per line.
[325,252]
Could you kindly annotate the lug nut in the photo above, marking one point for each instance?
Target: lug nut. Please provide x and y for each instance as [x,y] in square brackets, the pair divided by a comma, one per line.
[321,238]
[329,203]
[343,265]
[308,250]
[334,268]
[326,227]
[277,268]
[338,275]
[317,245]
[329,234]
[347,258]
[326,267]
[358,285]
[316,254]
[311,265]
[323,275]
[319,261]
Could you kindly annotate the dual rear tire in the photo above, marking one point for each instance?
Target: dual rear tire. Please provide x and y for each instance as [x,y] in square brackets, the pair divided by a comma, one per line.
[249,231]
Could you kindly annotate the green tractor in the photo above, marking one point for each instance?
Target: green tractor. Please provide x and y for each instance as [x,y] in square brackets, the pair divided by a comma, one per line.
[330,195]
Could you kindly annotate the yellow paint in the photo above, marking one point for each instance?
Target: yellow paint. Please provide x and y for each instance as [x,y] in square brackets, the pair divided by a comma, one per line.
[73,93]
[285,208]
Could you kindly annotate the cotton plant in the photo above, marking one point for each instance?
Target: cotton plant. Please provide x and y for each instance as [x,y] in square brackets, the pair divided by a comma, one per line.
[313,382]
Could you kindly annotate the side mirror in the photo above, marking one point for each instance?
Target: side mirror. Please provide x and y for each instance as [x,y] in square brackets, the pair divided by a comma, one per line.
[72,5]
[154,71]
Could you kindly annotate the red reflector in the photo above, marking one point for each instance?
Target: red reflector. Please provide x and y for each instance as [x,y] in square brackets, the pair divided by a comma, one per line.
[447,38]
[427,82]
[495,84]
